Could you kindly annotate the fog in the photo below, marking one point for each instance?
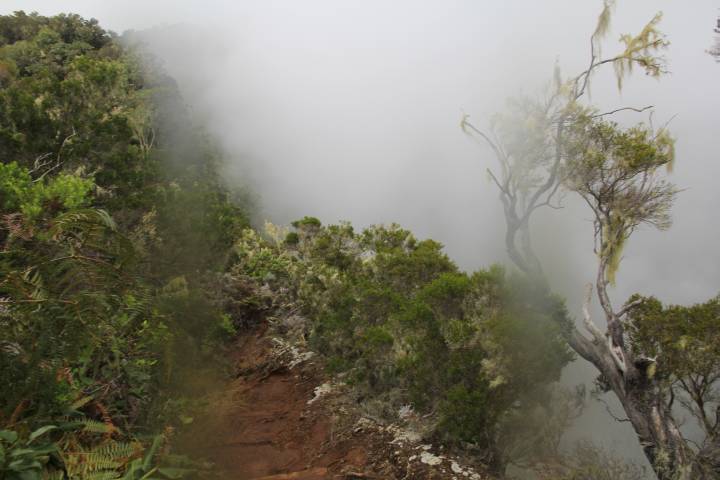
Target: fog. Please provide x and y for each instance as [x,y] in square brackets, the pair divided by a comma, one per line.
[351,111]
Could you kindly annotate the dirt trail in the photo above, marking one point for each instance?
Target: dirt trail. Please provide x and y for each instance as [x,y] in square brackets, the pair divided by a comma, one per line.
[263,428]
[269,423]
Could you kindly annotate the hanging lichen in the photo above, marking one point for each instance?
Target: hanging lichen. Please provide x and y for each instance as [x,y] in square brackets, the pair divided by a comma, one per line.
[614,261]
[603,25]
[613,238]
[642,50]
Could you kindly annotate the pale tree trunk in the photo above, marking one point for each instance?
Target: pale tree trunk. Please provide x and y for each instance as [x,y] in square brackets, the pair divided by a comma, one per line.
[646,403]
[648,411]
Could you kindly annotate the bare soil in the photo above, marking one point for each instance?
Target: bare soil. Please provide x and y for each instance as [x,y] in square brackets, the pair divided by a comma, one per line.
[262,426]
[267,424]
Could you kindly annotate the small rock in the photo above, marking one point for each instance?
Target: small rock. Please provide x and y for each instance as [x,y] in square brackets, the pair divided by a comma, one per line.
[320,391]
[429,459]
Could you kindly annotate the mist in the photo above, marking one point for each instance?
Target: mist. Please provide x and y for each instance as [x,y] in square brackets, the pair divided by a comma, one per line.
[351,111]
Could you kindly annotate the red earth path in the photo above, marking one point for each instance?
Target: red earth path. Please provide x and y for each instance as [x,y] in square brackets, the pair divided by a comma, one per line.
[261,427]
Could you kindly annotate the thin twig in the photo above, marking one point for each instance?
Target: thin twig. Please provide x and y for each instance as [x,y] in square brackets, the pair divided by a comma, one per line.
[638,110]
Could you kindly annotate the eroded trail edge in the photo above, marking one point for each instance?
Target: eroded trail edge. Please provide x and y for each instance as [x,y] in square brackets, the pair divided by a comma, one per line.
[281,417]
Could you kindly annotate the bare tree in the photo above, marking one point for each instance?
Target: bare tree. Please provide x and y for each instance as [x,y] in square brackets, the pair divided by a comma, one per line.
[559,144]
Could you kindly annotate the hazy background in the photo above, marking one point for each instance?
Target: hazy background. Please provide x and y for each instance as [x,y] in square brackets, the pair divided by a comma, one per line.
[350,110]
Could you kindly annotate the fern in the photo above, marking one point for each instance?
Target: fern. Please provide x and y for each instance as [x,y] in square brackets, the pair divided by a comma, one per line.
[94,426]
[105,475]
[117,449]
[103,461]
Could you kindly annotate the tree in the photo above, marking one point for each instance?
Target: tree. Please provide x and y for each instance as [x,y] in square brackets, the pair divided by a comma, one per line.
[687,341]
[715,49]
[560,145]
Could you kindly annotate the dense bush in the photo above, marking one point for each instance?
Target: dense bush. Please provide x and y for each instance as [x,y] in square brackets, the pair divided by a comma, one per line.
[112,234]
[401,322]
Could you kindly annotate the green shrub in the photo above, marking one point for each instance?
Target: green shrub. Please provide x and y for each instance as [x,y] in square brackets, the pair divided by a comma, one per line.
[292,238]
[114,227]
[33,198]
[307,222]
[402,322]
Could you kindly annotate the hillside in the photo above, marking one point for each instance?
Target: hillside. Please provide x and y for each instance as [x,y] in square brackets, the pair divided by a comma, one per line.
[152,328]
[129,271]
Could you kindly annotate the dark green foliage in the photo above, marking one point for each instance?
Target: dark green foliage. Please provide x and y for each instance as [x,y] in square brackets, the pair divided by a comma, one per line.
[307,222]
[401,322]
[68,90]
[112,232]
[198,226]
[292,238]
[70,28]
[26,458]
[687,337]
[679,347]
[467,413]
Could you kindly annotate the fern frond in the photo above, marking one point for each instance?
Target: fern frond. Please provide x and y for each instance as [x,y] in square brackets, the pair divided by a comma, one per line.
[80,402]
[118,450]
[103,461]
[86,462]
[94,426]
[105,475]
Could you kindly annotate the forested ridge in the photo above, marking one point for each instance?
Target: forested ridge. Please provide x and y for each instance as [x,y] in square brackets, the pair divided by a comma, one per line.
[130,271]
[114,227]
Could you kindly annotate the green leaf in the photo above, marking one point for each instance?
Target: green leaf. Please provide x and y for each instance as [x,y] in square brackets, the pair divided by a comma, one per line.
[21,451]
[30,475]
[147,461]
[40,432]
[93,426]
[147,476]
[8,435]
[23,464]
[51,448]
[134,467]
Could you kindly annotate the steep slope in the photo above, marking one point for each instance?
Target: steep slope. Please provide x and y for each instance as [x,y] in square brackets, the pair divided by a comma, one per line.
[282,418]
